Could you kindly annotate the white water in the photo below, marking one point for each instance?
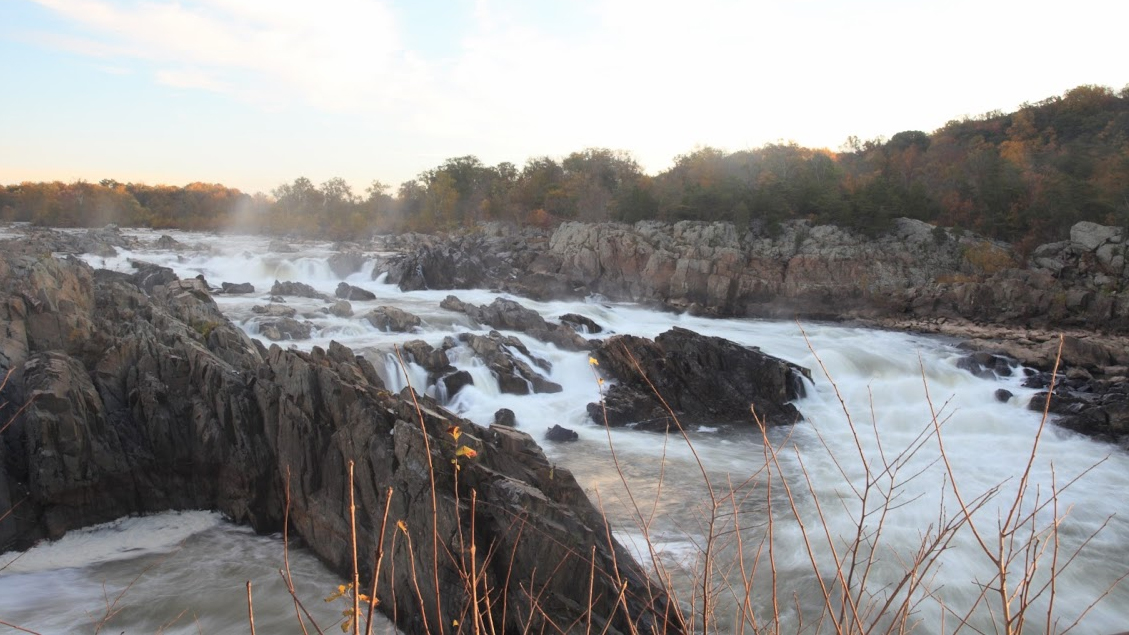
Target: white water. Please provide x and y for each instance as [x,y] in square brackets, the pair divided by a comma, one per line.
[881,376]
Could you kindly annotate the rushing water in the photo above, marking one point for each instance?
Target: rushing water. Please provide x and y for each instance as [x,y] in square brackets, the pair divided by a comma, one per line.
[896,389]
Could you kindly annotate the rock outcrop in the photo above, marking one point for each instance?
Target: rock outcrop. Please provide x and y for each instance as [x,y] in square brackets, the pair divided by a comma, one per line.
[509,315]
[142,399]
[704,380]
[514,375]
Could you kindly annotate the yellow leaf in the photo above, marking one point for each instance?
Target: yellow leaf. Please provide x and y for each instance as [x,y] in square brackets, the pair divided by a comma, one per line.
[593,361]
[600,380]
[403,526]
[455,432]
[468,452]
[454,622]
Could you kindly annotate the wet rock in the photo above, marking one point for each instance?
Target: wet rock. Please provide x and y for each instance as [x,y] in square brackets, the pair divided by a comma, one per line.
[347,291]
[274,310]
[390,318]
[986,365]
[455,382]
[515,376]
[150,275]
[433,360]
[341,309]
[241,287]
[1003,395]
[703,379]
[285,328]
[168,242]
[297,289]
[581,323]
[505,417]
[509,315]
[557,434]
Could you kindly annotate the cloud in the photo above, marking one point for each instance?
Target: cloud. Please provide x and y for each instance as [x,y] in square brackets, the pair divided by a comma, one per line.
[335,55]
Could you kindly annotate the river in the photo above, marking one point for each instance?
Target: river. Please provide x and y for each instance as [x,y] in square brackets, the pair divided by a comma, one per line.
[872,417]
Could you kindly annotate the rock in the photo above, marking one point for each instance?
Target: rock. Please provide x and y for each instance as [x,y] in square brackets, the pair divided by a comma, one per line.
[131,409]
[390,318]
[703,379]
[274,310]
[986,365]
[505,417]
[509,315]
[581,323]
[349,292]
[242,287]
[514,375]
[285,328]
[280,247]
[1090,236]
[557,434]
[150,276]
[297,289]
[437,267]
[1003,395]
[455,382]
[345,263]
[168,242]
[341,309]
[433,360]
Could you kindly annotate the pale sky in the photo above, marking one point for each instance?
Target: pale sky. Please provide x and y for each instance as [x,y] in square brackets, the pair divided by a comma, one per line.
[254,93]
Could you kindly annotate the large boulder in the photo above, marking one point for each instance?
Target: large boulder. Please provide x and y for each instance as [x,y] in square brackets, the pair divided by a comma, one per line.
[146,400]
[703,379]
[514,375]
[297,289]
[390,318]
[347,291]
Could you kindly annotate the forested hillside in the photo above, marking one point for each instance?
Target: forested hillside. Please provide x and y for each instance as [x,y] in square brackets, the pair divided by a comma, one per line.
[1025,177]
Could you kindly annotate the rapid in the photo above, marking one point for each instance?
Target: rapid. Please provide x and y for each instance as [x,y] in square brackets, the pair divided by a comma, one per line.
[887,416]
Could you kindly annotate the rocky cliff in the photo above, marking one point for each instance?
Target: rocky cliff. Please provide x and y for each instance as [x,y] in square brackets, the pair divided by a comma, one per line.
[140,396]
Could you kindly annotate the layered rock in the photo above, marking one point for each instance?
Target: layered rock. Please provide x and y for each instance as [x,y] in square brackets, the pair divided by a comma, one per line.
[145,400]
[509,315]
[702,379]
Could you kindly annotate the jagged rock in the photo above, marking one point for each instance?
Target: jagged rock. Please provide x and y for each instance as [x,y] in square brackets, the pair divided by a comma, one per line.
[349,292]
[241,287]
[168,242]
[390,318]
[557,434]
[455,382]
[514,376]
[298,289]
[274,310]
[509,315]
[341,309]
[505,417]
[285,328]
[437,267]
[433,360]
[345,263]
[581,323]
[986,365]
[150,275]
[137,411]
[703,379]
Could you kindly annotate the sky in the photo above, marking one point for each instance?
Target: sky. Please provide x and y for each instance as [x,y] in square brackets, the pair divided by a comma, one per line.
[255,93]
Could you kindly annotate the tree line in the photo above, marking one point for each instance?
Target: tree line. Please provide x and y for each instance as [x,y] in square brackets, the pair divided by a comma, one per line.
[1025,177]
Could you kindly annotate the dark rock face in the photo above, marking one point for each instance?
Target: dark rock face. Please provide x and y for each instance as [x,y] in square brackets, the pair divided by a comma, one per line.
[1003,395]
[703,379]
[557,434]
[241,287]
[142,401]
[986,365]
[581,323]
[455,382]
[347,291]
[390,318]
[515,376]
[505,417]
[438,267]
[509,315]
[297,289]
[1095,407]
